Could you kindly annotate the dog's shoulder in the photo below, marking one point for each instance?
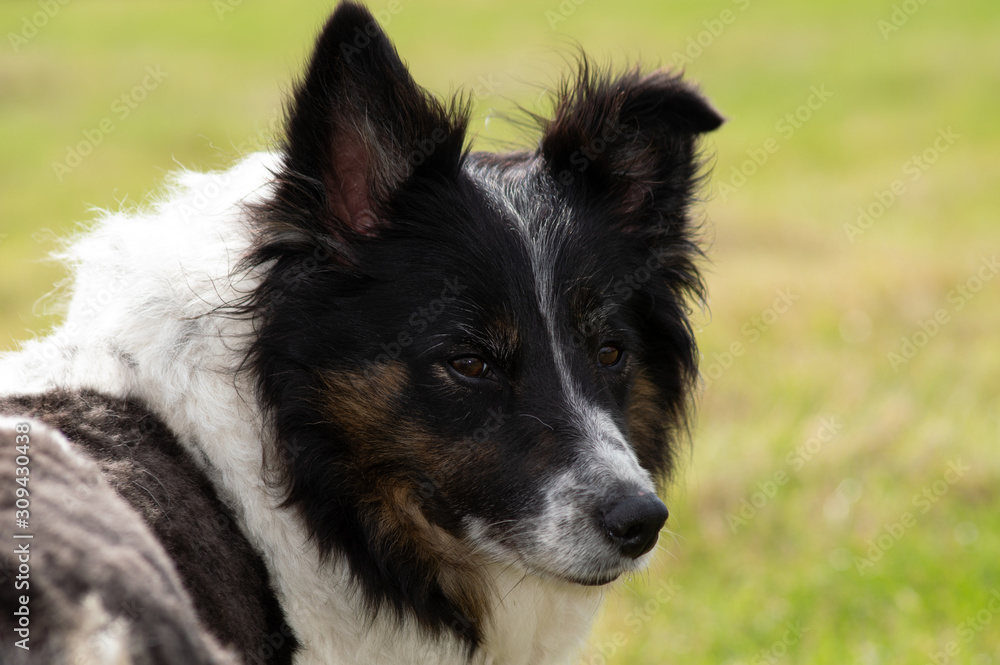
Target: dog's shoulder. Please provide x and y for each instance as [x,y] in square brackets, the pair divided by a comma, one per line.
[125,526]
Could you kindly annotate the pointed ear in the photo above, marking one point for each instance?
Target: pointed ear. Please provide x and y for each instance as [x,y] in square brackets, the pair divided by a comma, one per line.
[358,127]
[628,139]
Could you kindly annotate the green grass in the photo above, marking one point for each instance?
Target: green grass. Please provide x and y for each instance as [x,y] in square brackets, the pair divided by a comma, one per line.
[725,595]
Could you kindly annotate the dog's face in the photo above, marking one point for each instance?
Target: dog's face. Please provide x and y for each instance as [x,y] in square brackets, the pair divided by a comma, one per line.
[473,358]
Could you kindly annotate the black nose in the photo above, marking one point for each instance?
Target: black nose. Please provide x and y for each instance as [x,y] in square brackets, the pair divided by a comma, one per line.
[633,523]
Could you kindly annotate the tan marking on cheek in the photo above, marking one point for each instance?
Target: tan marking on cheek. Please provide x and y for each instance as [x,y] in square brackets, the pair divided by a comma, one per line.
[365,409]
[359,402]
[647,425]
[400,523]
[364,406]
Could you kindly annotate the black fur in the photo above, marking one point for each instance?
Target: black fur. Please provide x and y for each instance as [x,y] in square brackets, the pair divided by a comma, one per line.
[384,255]
[196,534]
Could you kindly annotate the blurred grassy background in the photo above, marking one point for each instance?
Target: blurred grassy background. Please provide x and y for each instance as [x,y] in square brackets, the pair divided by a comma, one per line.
[857,542]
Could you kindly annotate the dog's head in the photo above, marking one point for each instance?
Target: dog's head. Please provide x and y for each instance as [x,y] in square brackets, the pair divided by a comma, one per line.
[473,357]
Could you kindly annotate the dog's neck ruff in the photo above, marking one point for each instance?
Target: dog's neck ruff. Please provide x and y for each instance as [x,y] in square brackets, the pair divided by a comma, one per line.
[146,319]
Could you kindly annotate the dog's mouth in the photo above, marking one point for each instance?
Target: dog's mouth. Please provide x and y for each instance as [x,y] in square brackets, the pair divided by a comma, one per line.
[595,581]
[602,577]
[590,561]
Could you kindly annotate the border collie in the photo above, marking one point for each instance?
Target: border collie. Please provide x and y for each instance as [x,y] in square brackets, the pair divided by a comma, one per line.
[372,398]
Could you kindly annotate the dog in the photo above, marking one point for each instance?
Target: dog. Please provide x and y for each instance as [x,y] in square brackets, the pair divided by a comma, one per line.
[370,398]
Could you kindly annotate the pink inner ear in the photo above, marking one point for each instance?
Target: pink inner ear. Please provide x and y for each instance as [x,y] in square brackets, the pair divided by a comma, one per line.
[347,186]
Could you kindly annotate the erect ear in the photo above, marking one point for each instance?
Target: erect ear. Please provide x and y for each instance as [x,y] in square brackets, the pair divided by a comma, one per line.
[358,127]
[629,139]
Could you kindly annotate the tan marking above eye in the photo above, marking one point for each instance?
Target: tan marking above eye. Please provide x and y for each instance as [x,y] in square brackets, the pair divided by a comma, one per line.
[609,355]
[473,367]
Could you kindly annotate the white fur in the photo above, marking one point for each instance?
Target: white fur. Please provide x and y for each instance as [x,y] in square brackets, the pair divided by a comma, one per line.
[566,528]
[140,324]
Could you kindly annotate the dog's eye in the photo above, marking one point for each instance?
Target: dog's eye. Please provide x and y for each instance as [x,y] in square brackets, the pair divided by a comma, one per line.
[609,355]
[473,367]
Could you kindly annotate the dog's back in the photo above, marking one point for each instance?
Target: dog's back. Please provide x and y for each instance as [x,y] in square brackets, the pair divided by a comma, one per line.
[123,550]
[88,580]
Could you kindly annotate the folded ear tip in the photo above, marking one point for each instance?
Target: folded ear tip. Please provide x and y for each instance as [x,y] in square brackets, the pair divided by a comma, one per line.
[709,119]
[692,109]
[681,101]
